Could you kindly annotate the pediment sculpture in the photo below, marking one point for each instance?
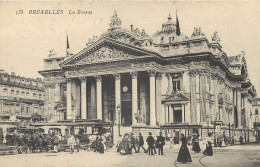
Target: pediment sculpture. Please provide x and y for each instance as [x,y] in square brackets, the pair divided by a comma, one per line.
[215,37]
[197,32]
[106,53]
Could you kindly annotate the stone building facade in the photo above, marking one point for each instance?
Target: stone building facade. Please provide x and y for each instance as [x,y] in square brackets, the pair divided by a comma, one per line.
[21,99]
[130,78]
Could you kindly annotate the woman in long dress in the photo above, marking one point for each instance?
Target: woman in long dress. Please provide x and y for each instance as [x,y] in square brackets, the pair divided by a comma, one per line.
[208,150]
[125,145]
[195,144]
[184,154]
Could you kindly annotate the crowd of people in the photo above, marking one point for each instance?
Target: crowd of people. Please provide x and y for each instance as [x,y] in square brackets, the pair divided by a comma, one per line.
[184,154]
[39,141]
[128,143]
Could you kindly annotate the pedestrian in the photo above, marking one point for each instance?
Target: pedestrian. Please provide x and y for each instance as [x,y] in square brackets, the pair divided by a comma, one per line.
[56,142]
[71,142]
[241,139]
[184,154]
[132,141]
[195,143]
[125,145]
[160,143]
[208,150]
[119,145]
[141,143]
[155,146]
[150,143]
[171,142]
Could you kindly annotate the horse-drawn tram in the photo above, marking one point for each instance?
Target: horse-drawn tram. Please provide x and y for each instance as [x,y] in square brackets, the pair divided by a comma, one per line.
[81,134]
[8,142]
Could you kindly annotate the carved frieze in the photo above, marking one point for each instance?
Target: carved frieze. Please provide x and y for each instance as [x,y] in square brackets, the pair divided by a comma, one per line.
[106,54]
[144,65]
[194,72]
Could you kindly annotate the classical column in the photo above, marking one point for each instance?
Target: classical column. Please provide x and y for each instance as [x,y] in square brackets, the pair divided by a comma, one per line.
[186,82]
[170,114]
[117,96]
[134,96]
[193,101]
[202,94]
[239,117]
[69,113]
[183,112]
[99,96]
[83,97]
[166,113]
[169,89]
[158,98]
[163,115]
[152,98]
[57,92]
[216,110]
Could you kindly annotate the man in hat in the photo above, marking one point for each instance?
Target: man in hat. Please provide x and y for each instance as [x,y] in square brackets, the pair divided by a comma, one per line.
[141,143]
[160,143]
[132,141]
[150,142]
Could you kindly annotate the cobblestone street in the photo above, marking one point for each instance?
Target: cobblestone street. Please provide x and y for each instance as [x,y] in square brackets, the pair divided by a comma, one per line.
[239,156]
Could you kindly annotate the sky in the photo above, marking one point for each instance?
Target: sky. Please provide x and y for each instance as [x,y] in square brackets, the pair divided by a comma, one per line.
[25,39]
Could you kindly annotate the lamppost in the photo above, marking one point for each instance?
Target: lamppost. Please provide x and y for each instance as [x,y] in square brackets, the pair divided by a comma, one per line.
[248,134]
[207,117]
[232,133]
[119,118]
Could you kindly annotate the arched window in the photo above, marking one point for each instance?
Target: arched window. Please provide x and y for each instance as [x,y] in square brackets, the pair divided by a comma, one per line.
[256,111]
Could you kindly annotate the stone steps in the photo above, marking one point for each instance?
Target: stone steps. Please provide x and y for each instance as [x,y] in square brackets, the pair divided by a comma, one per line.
[144,130]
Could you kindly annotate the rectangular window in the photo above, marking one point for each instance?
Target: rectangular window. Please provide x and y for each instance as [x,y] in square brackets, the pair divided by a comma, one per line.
[176,85]
[256,111]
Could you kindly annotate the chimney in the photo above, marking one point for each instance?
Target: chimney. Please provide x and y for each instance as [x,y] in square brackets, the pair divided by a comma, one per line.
[131,27]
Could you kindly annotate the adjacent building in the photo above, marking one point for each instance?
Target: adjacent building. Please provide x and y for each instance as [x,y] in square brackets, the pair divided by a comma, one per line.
[167,81]
[21,99]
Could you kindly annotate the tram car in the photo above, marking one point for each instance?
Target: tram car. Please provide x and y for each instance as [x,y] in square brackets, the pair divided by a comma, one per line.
[8,138]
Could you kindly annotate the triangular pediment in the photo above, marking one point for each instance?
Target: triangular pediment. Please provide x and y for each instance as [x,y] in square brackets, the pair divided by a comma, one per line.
[175,96]
[106,50]
[106,53]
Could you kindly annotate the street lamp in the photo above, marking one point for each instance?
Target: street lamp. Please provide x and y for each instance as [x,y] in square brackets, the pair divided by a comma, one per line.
[207,117]
[248,134]
[119,118]
[232,126]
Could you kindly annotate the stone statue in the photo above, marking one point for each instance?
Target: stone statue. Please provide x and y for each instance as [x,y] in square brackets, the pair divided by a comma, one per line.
[115,22]
[197,32]
[52,53]
[138,116]
[215,37]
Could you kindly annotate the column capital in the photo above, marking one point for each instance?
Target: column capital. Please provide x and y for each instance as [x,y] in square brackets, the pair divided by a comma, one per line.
[152,73]
[134,74]
[83,79]
[68,80]
[238,89]
[98,78]
[117,76]
[159,76]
